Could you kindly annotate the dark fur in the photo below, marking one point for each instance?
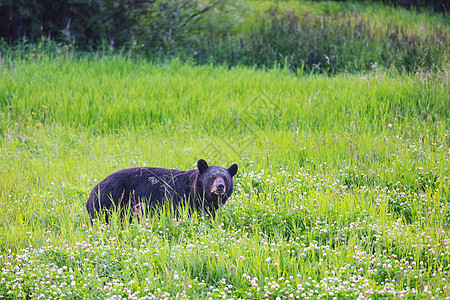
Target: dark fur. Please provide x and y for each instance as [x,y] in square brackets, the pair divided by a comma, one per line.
[146,188]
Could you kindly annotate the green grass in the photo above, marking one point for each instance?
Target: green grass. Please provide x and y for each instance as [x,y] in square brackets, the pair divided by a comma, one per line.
[252,11]
[376,11]
[342,191]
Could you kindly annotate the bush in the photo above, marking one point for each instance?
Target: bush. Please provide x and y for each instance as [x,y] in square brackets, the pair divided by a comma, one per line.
[93,22]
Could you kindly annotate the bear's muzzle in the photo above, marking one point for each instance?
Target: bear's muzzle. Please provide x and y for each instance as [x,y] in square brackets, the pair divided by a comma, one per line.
[218,187]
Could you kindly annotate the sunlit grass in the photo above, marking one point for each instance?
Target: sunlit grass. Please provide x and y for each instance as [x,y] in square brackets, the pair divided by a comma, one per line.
[378,13]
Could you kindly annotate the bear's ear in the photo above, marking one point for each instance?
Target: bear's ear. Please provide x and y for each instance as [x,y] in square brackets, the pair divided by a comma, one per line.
[202,165]
[233,169]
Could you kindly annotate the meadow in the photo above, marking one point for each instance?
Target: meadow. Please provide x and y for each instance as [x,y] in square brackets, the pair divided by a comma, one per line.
[342,193]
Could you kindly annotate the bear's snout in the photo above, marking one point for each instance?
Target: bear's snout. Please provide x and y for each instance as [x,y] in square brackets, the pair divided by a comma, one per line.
[219,187]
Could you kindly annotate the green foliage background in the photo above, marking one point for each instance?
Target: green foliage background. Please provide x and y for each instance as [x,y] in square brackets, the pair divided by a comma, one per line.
[328,37]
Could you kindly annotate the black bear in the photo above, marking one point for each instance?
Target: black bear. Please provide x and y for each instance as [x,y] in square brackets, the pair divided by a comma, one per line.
[138,188]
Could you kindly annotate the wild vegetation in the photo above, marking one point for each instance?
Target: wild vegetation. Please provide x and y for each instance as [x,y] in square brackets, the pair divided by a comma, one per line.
[325,37]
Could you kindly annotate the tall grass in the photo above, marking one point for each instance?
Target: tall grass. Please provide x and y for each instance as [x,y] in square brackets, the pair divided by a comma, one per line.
[114,93]
[342,189]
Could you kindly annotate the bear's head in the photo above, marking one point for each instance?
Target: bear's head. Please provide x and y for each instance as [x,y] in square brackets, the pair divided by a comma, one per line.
[216,183]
